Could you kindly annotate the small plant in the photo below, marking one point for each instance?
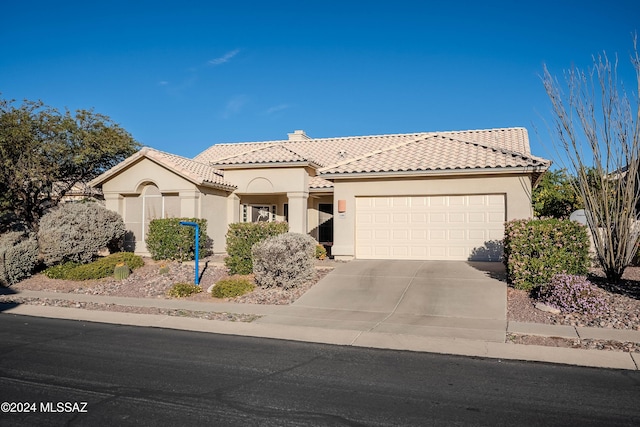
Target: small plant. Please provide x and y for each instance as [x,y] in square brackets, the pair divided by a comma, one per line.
[572,294]
[233,286]
[321,252]
[182,290]
[284,261]
[164,269]
[103,267]
[121,271]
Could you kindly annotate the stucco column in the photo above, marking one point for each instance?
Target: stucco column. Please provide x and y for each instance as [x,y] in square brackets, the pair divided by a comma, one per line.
[298,211]
[233,208]
[189,200]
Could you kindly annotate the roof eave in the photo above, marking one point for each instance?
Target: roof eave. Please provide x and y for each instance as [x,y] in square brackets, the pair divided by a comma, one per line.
[320,189]
[436,172]
[218,186]
[263,165]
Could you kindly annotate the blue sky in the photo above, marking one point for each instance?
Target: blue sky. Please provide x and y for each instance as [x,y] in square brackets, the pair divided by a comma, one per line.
[181,76]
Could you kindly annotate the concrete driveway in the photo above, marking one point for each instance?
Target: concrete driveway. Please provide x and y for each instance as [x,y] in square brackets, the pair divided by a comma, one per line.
[425,298]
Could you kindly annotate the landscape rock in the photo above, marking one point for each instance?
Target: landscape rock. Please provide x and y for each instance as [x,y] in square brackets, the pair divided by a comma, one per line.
[547,308]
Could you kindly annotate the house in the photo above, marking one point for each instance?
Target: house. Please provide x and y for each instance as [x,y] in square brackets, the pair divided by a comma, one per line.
[431,195]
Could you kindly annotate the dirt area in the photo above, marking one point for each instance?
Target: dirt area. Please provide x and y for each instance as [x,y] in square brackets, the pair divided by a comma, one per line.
[623,301]
[147,282]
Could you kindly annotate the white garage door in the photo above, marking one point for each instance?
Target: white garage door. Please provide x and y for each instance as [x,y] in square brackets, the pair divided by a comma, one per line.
[428,227]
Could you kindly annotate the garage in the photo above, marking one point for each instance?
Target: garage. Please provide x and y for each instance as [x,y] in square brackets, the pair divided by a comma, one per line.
[430,227]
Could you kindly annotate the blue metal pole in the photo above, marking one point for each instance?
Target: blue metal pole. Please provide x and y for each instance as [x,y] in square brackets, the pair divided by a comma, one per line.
[197,230]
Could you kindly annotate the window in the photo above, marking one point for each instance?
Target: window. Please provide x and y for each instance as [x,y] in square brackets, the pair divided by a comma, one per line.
[258,213]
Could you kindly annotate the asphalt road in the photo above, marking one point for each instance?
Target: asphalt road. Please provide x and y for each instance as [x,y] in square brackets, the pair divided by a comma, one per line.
[80,373]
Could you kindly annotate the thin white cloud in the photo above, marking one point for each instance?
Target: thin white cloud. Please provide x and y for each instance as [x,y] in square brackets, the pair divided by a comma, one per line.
[276,108]
[224,58]
[163,83]
[235,106]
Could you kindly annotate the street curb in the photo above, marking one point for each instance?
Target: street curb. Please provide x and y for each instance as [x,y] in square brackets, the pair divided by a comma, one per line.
[369,339]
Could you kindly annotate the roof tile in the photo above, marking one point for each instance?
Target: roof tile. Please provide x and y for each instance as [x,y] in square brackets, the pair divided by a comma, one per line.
[196,171]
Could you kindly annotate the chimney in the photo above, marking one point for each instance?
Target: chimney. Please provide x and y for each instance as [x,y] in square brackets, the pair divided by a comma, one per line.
[298,135]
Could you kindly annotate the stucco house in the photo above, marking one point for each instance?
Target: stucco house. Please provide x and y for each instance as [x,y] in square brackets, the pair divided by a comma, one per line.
[431,195]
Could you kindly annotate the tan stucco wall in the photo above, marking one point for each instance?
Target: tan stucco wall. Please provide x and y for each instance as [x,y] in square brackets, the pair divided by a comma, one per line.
[194,201]
[292,182]
[268,180]
[213,208]
[517,190]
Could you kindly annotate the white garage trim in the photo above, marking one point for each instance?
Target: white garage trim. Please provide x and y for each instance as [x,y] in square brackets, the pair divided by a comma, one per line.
[443,227]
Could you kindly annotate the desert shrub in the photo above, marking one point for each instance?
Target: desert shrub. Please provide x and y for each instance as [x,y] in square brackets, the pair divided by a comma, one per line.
[169,240]
[233,286]
[78,231]
[182,290]
[535,250]
[321,252]
[284,261]
[60,271]
[18,257]
[103,267]
[242,236]
[572,294]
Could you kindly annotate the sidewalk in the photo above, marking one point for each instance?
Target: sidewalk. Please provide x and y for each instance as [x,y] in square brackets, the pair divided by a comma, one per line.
[347,327]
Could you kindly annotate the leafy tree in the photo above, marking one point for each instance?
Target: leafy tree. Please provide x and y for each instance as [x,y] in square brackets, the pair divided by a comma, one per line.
[597,129]
[555,196]
[44,153]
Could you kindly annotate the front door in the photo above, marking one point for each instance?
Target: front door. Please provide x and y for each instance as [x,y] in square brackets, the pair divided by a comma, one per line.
[325,221]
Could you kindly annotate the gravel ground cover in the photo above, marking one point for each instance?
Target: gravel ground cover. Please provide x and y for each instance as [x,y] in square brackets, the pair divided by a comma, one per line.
[147,282]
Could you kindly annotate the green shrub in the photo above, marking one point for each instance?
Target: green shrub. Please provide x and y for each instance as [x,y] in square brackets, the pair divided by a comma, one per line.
[284,261]
[103,267]
[321,252]
[60,271]
[169,240]
[233,286]
[18,257]
[242,236]
[182,290]
[536,250]
[78,231]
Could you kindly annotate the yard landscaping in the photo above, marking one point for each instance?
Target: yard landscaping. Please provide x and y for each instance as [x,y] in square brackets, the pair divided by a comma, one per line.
[149,282]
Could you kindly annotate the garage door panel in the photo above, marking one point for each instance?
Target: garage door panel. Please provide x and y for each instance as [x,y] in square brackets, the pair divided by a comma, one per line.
[419,234]
[476,217]
[437,201]
[400,218]
[427,227]
[456,218]
[438,218]
[437,235]
[403,234]
[382,202]
[457,235]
